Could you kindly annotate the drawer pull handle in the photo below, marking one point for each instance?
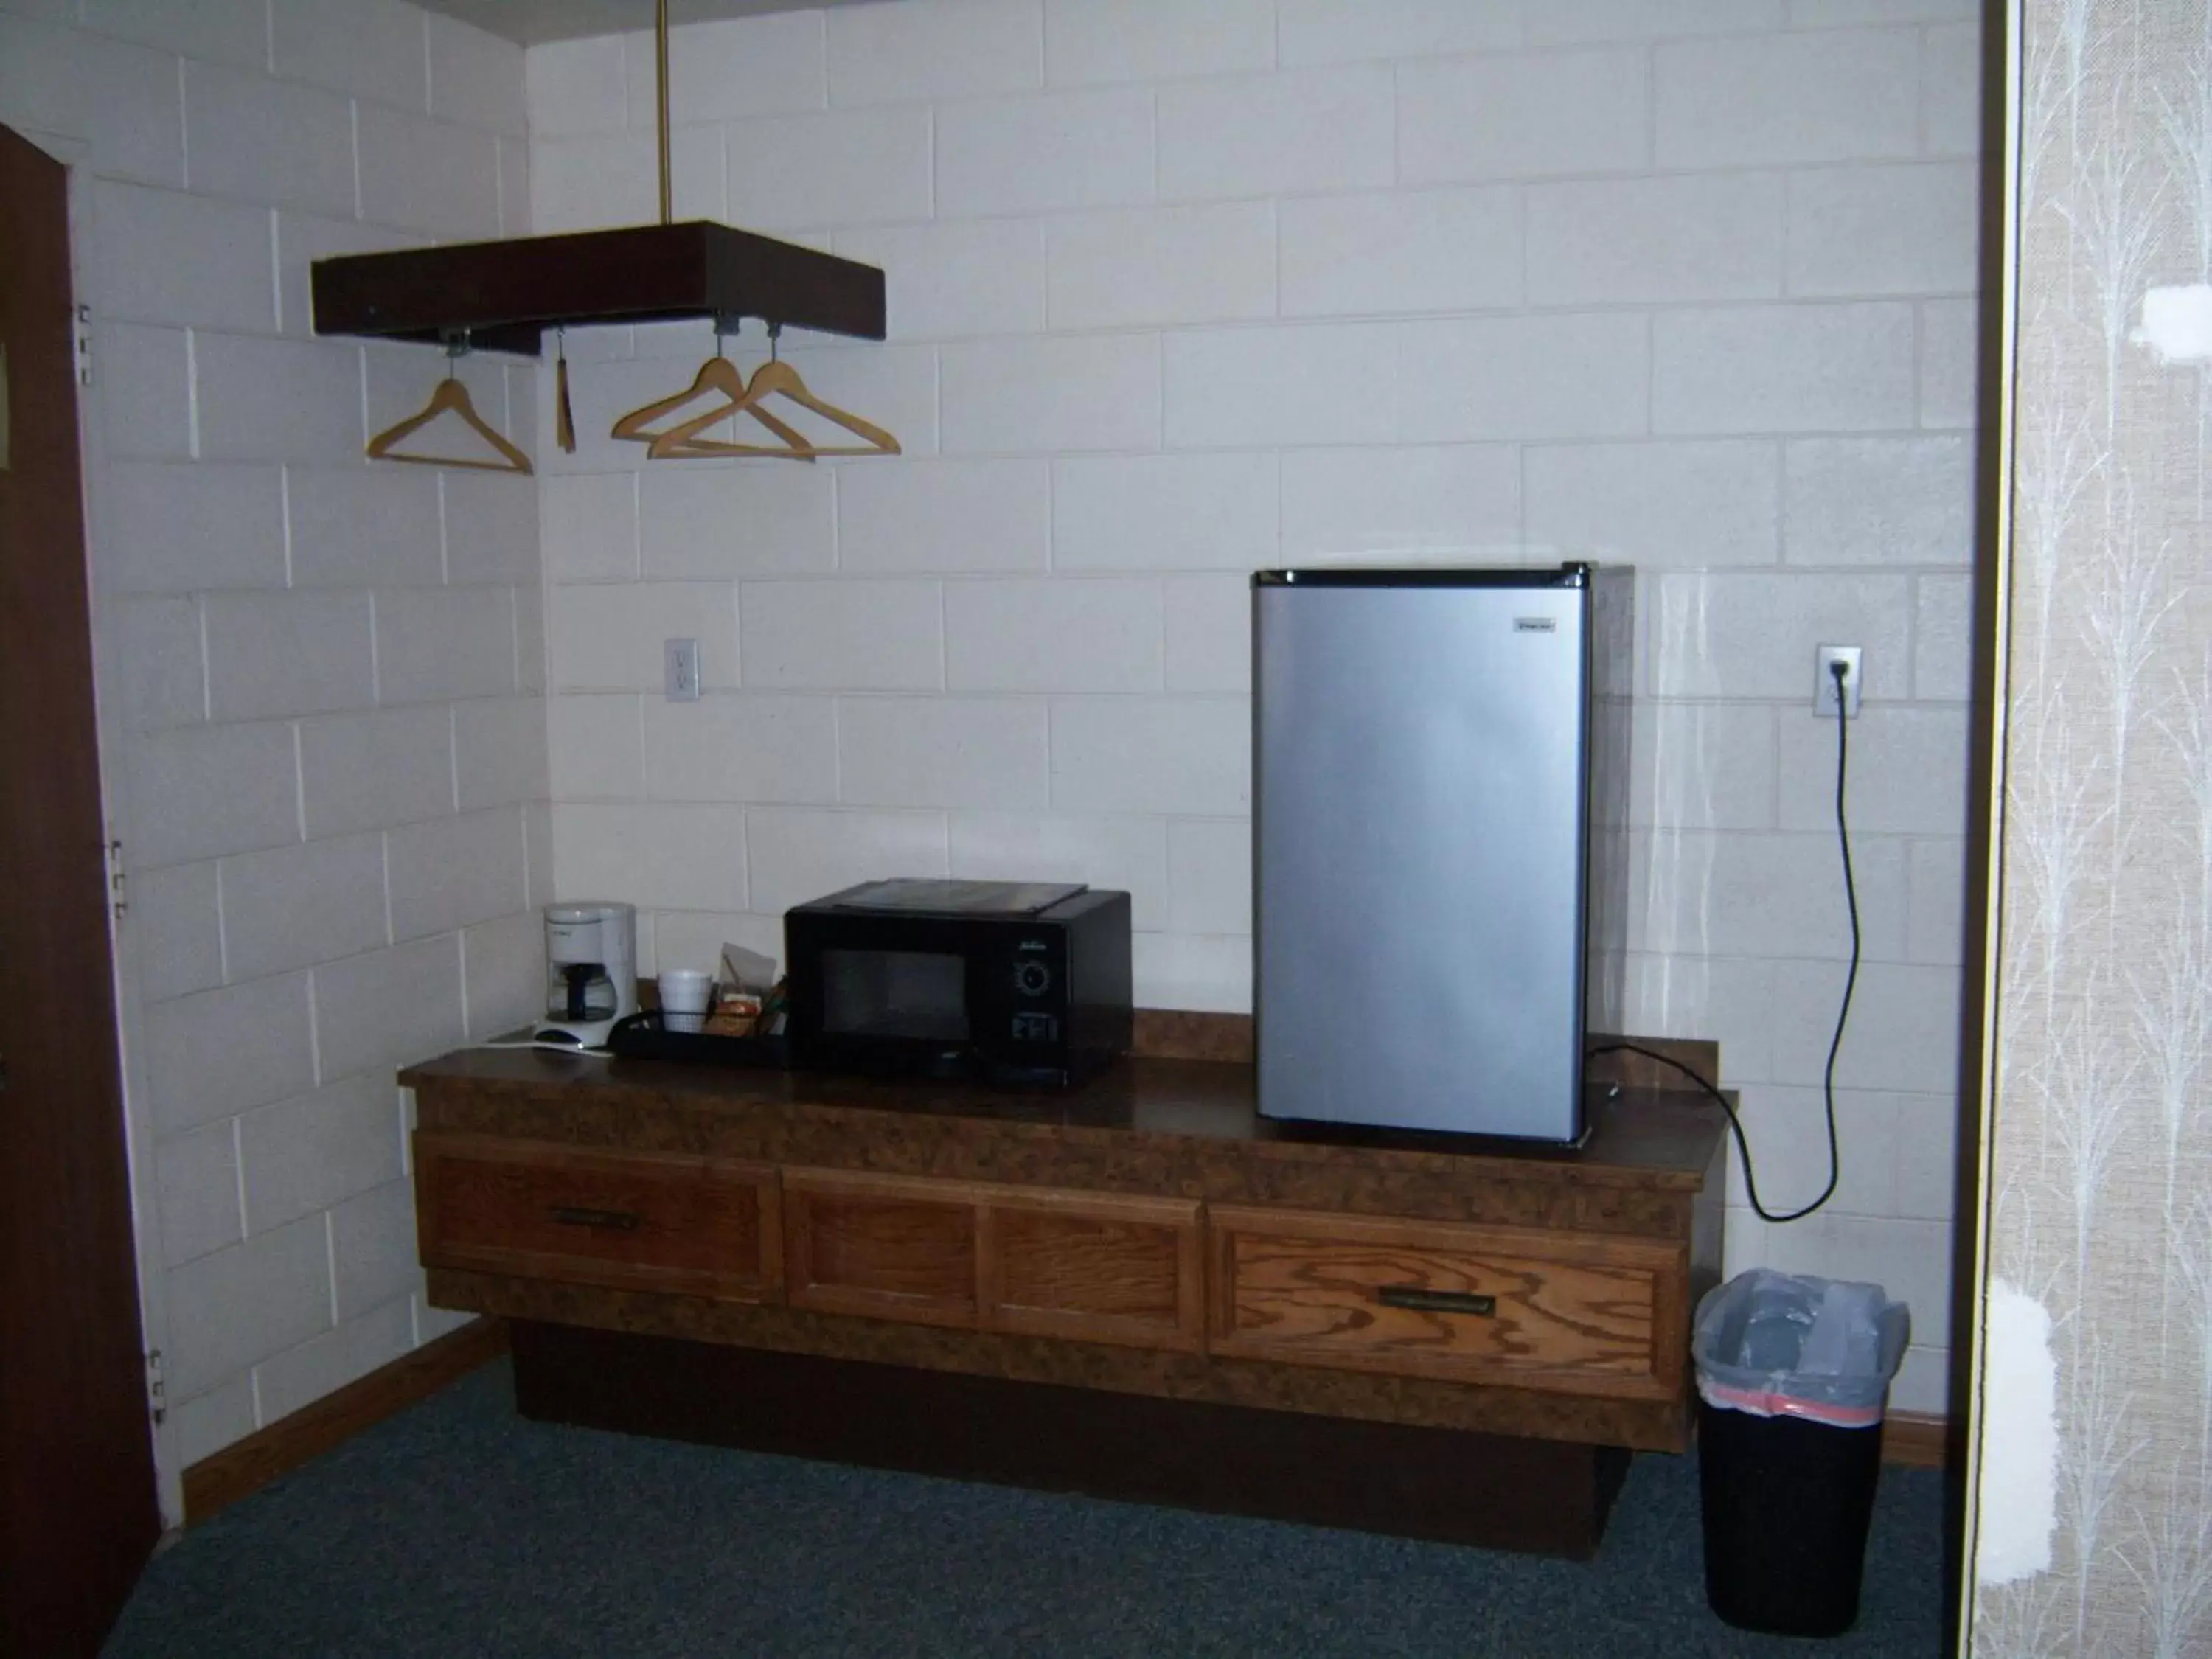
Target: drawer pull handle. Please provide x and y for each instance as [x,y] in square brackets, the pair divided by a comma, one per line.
[1425,1301]
[613,1221]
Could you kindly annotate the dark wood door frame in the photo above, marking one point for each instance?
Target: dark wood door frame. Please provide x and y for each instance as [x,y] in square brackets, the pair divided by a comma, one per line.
[78,1510]
[115,732]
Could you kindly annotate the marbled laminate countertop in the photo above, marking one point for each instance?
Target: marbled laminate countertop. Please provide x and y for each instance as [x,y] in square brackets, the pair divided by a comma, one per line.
[1639,1137]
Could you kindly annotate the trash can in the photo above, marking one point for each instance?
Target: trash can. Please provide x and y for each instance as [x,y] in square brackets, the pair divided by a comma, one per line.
[1793,1373]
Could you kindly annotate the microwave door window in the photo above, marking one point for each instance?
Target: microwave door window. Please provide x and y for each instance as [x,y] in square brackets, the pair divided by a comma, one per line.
[895,994]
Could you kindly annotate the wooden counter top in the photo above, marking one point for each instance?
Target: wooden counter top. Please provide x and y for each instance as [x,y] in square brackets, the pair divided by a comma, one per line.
[1641,1137]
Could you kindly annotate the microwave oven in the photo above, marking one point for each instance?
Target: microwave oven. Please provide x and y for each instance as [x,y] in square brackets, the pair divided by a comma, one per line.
[1024,983]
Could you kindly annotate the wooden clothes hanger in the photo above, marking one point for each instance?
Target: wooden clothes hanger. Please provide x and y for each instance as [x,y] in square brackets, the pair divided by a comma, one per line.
[770,378]
[564,417]
[451,397]
[718,373]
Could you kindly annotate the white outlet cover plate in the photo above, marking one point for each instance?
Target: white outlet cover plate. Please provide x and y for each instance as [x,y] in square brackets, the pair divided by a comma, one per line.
[680,670]
[1824,685]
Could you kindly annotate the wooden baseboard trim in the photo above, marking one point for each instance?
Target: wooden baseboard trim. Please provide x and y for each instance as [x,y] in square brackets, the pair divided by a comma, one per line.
[284,1445]
[1915,1439]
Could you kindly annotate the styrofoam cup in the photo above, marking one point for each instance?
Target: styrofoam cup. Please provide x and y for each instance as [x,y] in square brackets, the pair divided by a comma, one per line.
[685,994]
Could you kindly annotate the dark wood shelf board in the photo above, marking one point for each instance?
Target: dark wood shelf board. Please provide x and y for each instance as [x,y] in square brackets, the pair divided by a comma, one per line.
[506,294]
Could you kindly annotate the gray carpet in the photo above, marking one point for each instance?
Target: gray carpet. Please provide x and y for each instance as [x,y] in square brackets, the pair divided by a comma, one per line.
[459,1528]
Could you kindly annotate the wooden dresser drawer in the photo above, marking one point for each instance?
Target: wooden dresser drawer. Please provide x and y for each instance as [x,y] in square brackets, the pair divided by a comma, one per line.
[659,1221]
[1575,1312]
[1044,1262]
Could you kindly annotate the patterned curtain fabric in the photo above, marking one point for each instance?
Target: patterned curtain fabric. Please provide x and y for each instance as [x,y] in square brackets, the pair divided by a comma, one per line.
[2094,1531]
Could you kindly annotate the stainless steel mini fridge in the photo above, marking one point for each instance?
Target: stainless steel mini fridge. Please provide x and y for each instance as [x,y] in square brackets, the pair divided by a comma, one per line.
[1440,782]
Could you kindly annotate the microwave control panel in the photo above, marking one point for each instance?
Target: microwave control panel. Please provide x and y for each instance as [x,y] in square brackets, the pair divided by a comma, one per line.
[1033,978]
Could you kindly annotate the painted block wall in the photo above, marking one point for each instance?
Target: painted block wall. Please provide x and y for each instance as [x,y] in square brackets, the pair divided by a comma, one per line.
[1179,292]
[327,742]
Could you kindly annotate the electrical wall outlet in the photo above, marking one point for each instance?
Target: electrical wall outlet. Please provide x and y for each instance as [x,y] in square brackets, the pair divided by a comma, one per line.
[1825,658]
[679,663]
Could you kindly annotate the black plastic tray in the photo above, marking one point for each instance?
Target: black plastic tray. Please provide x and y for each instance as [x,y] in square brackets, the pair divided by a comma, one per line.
[641,1036]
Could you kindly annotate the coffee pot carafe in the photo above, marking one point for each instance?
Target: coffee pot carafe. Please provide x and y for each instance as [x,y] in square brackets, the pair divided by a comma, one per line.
[591,971]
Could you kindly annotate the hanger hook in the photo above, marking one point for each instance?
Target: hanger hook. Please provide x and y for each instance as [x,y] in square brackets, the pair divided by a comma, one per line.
[457,347]
[725,324]
[775,331]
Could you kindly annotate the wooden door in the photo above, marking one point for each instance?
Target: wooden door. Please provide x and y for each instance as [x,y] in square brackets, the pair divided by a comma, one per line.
[78,1509]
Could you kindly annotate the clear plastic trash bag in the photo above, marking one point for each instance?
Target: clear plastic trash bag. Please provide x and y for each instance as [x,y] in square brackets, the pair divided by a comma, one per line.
[1788,1344]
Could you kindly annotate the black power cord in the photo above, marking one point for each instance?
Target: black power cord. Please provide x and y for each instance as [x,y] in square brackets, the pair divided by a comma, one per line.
[1837,671]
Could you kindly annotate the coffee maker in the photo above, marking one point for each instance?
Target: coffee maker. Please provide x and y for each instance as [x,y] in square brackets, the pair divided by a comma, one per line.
[591,972]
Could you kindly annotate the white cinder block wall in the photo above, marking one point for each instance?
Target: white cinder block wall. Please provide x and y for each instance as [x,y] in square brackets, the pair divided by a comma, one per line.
[329,753]
[1177,291]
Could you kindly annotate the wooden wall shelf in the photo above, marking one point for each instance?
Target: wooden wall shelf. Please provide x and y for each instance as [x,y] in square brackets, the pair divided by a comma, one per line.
[506,294]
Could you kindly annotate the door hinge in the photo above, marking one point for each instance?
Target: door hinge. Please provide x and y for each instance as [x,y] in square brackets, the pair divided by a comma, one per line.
[117,902]
[157,1387]
[84,345]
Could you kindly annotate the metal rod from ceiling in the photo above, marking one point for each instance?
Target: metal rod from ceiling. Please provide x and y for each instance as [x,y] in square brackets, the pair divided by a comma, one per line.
[660,81]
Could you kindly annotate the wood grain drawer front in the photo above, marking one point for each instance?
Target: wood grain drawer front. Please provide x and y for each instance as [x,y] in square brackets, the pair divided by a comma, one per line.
[1040,1262]
[892,1246]
[696,1226]
[1573,1312]
[1094,1267]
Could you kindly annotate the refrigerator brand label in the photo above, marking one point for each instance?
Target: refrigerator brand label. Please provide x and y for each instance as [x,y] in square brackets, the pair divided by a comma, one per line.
[1535,624]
